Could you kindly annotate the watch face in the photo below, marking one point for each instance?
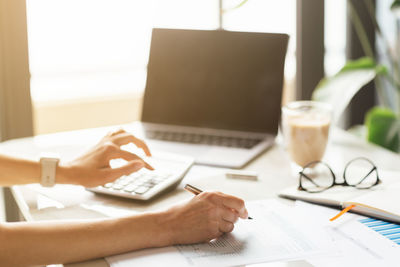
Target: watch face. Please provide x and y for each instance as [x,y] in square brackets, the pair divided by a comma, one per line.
[48,171]
[49,155]
[50,159]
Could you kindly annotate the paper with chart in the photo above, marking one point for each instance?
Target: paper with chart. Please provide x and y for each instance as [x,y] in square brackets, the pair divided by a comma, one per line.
[361,241]
[274,234]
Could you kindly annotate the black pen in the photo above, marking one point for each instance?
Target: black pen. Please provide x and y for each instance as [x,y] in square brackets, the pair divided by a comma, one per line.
[196,191]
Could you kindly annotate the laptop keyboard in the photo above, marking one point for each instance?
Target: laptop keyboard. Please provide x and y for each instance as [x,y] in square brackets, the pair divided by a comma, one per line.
[213,140]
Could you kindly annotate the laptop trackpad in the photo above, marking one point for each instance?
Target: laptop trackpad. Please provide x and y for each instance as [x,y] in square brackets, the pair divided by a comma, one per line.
[224,156]
[203,154]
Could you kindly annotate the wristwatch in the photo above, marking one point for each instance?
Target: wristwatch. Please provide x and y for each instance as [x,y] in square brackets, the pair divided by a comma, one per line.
[49,167]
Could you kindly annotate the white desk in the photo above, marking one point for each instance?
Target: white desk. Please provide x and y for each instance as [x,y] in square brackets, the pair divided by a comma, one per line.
[273,166]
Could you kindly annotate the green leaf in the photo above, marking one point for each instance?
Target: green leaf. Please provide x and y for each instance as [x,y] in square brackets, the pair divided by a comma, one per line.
[395,7]
[383,128]
[395,4]
[341,88]
[362,63]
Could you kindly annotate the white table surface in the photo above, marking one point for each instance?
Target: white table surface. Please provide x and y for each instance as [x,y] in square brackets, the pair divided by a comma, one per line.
[273,166]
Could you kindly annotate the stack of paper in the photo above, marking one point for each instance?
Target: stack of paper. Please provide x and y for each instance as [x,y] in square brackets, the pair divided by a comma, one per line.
[281,233]
[275,234]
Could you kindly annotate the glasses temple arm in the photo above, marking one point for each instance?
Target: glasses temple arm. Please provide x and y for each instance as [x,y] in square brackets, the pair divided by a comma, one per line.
[309,179]
[373,169]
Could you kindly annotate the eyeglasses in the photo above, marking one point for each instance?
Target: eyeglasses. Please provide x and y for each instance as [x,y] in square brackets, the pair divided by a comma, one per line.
[317,176]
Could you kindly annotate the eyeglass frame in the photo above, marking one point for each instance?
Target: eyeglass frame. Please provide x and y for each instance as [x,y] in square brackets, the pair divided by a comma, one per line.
[334,183]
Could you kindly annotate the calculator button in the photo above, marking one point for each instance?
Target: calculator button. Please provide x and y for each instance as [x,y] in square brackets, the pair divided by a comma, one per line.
[108,185]
[130,188]
[123,182]
[129,179]
[142,190]
[135,175]
[117,186]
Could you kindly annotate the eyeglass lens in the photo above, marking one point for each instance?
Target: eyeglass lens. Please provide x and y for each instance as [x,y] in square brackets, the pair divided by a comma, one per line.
[316,177]
[361,173]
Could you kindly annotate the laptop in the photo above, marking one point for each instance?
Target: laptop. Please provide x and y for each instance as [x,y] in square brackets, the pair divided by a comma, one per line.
[214,95]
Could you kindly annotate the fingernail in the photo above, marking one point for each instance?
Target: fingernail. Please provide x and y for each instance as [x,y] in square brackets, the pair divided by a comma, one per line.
[246,214]
[150,167]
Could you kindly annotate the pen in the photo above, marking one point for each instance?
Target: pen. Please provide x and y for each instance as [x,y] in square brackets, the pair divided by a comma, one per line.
[196,191]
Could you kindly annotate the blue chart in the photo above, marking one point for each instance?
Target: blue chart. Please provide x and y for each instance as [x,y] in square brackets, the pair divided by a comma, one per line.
[389,230]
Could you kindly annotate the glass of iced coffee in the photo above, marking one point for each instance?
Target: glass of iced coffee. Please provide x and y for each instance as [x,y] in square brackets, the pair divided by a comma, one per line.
[305,126]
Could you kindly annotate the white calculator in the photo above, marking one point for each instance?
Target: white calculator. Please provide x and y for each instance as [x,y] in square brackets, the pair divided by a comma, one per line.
[143,185]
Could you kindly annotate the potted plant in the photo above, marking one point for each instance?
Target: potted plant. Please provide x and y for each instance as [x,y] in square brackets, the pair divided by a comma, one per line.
[382,122]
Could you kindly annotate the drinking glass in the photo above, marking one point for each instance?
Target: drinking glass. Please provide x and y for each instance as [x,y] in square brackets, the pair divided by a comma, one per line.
[305,126]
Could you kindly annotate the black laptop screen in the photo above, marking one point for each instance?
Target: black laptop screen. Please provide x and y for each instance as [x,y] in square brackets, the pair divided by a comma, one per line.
[215,79]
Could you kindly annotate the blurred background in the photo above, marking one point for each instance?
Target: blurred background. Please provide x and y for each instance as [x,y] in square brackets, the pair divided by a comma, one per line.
[88,58]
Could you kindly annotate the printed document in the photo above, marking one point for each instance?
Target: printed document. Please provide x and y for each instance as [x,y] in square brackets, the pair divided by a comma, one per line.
[358,243]
[275,234]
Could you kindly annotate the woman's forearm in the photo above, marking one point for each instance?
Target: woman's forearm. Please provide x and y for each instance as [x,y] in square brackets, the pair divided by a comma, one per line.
[24,244]
[90,169]
[18,171]
[203,218]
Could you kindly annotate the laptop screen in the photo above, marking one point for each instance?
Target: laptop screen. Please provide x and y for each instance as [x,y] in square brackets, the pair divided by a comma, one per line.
[215,79]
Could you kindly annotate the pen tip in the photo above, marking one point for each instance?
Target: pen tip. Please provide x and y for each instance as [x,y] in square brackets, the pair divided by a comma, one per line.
[249,218]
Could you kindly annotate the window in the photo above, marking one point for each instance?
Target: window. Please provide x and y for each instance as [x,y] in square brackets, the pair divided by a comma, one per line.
[267,16]
[335,35]
[82,48]
[88,58]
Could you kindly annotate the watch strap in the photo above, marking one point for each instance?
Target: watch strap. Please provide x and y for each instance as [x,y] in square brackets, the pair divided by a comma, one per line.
[48,171]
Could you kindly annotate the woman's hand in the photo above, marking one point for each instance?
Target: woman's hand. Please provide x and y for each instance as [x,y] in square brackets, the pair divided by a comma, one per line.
[93,168]
[205,217]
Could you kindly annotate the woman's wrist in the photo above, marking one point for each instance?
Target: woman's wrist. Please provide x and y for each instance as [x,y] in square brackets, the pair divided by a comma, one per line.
[64,174]
[172,225]
[165,230]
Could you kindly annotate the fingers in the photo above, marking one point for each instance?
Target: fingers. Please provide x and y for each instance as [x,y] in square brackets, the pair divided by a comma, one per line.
[225,210]
[229,215]
[231,202]
[236,204]
[117,132]
[128,156]
[130,167]
[226,227]
[121,138]
[113,151]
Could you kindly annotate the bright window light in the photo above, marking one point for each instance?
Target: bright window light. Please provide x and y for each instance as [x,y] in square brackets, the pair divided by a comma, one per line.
[265,16]
[88,48]
[335,35]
